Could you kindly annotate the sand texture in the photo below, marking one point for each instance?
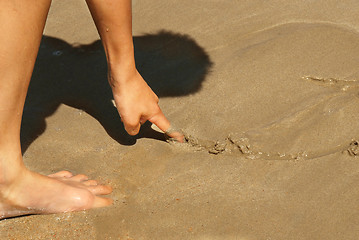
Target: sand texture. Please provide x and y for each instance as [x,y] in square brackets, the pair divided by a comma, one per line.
[267,93]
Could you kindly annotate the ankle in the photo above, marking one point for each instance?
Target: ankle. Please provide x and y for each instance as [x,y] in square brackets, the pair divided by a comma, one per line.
[11,168]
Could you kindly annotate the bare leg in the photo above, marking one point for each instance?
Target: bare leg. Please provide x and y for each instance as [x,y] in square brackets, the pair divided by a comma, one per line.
[22,191]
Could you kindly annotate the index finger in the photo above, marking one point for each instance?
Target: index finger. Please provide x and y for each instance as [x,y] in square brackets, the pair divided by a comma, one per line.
[164,124]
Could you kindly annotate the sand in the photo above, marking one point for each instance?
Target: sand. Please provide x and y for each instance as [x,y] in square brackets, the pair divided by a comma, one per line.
[266,93]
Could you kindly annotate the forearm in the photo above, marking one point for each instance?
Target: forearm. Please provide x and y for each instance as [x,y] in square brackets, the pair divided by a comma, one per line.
[135,101]
[113,19]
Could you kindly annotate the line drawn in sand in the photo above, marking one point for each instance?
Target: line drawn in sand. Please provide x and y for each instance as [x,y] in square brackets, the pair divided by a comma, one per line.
[342,84]
[240,144]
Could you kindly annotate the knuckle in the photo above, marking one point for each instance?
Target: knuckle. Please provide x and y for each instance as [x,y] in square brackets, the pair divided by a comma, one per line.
[156,110]
[132,130]
[131,124]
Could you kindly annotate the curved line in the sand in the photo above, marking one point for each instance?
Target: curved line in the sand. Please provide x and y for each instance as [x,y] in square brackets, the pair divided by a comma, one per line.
[342,26]
[242,144]
[241,147]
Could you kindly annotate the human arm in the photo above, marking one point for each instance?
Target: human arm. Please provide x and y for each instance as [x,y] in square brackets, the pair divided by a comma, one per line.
[135,101]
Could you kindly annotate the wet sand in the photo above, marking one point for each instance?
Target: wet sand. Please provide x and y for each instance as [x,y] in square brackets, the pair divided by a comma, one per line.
[267,94]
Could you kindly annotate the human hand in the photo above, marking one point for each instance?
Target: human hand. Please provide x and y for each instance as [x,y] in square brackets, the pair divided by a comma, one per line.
[137,103]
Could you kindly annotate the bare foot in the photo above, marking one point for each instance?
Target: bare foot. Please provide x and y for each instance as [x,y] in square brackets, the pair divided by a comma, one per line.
[32,193]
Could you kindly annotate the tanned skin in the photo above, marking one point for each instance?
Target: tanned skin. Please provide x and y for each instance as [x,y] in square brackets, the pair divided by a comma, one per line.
[22,191]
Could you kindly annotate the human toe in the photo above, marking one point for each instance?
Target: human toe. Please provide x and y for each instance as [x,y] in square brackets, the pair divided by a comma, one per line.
[61,174]
[100,189]
[80,178]
[101,202]
[90,183]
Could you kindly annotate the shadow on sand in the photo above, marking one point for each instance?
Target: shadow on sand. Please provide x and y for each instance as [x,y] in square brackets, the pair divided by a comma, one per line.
[172,64]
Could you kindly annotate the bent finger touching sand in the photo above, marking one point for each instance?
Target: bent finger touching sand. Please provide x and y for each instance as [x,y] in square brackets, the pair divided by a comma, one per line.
[25,192]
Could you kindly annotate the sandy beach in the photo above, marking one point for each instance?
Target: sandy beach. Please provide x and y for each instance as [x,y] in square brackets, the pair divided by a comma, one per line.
[266,92]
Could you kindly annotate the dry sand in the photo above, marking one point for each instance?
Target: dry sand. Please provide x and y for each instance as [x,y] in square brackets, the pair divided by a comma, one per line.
[266,91]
